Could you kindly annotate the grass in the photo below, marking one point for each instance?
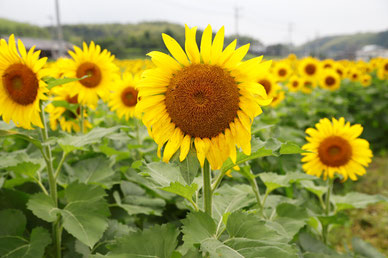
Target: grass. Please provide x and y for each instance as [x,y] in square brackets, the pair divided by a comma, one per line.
[370,224]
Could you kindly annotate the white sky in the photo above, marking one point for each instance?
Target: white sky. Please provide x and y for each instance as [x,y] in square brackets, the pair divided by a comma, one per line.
[266,20]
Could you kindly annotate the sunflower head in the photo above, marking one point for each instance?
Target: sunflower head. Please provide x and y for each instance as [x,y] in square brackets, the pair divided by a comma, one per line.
[281,71]
[124,96]
[294,83]
[309,67]
[336,149]
[366,80]
[278,98]
[98,68]
[204,97]
[308,84]
[21,84]
[329,79]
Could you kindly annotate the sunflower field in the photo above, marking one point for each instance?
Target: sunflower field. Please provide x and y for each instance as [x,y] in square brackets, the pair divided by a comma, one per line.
[198,152]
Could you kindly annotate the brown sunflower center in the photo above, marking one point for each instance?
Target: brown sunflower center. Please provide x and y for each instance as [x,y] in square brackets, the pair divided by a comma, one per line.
[354,76]
[129,96]
[267,85]
[386,67]
[327,66]
[310,69]
[202,100]
[21,84]
[282,72]
[339,71]
[94,73]
[330,81]
[334,151]
[295,84]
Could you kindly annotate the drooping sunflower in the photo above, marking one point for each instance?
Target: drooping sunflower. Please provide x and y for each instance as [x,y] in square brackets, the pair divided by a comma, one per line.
[205,96]
[101,70]
[308,85]
[329,79]
[277,98]
[67,119]
[309,67]
[382,71]
[294,83]
[328,64]
[269,83]
[336,148]
[123,98]
[21,84]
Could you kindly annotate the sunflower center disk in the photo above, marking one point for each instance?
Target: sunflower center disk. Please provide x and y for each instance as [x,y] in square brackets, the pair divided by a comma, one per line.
[282,72]
[202,100]
[94,73]
[21,84]
[267,85]
[334,151]
[129,97]
[310,69]
[330,81]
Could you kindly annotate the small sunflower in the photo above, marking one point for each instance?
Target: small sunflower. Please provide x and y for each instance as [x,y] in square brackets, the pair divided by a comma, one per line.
[336,148]
[329,79]
[205,96]
[294,83]
[366,80]
[328,64]
[269,83]
[281,71]
[21,84]
[308,85]
[277,98]
[340,69]
[382,71]
[67,119]
[309,67]
[101,70]
[124,95]
[354,74]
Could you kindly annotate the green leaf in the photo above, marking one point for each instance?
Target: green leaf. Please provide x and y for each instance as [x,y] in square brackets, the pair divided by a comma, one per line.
[12,222]
[85,215]
[273,181]
[96,170]
[18,247]
[365,249]
[186,191]
[158,241]
[197,226]
[52,82]
[313,245]
[338,219]
[311,187]
[43,207]
[355,200]
[189,167]
[163,174]
[216,249]
[23,136]
[291,211]
[290,148]
[70,143]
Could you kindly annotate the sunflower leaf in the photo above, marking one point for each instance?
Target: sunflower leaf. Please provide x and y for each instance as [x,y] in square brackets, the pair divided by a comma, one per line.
[52,82]
[23,136]
[273,181]
[354,200]
[186,191]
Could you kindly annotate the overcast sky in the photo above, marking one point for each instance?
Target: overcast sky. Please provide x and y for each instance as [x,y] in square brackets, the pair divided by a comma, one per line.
[270,21]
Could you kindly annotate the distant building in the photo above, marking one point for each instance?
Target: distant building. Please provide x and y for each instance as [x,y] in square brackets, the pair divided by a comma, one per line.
[49,48]
[369,51]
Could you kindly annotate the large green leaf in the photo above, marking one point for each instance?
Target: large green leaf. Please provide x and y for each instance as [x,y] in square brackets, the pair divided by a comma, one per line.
[365,249]
[12,242]
[311,187]
[216,248]
[85,215]
[163,174]
[158,241]
[315,248]
[96,170]
[43,207]
[23,136]
[189,167]
[197,227]
[356,200]
[76,142]
[273,181]
[52,82]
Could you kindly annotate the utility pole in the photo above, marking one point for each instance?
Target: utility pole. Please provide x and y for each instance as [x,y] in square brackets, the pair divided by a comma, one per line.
[61,50]
[290,30]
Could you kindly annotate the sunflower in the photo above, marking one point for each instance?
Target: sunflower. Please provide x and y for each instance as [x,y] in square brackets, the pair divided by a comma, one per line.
[366,80]
[335,148]
[98,65]
[354,74]
[208,96]
[382,71]
[328,63]
[308,85]
[294,83]
[21,87]
[269,83]
[281,71]
[67,119]
[124,96]
[309,67]
[330,80]
[340,69]
[277,98]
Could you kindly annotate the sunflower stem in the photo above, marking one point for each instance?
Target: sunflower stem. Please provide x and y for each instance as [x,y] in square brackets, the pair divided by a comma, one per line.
[325,228]
[52,181]
[82,124]
[207,190]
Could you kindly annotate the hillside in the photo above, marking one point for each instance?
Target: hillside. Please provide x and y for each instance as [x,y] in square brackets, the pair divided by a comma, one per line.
[8,27]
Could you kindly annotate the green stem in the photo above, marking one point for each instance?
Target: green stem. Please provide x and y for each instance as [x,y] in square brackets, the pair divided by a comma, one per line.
[52,179]
[82,122]
[207,191]
[64,154]
[256,190]
[218,180]
[325,228]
